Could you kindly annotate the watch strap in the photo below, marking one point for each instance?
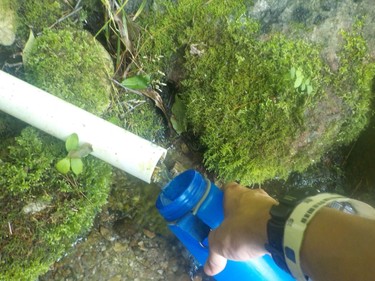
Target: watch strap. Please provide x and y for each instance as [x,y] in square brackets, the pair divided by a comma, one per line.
[276,225]
[296,226]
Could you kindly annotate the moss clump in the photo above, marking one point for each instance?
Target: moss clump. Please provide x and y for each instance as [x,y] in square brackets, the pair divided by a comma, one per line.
[43,212]
[254,119]
[354,82]
[72,65]
[41,14]
[138,115]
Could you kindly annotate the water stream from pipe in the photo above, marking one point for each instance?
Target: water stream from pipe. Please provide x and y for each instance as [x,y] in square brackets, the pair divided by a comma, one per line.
[161,175]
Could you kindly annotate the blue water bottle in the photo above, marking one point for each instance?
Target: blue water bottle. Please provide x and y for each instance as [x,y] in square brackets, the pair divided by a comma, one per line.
[193,206]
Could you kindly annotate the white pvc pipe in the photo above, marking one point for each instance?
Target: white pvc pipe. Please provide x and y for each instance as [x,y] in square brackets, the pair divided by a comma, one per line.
[59,118]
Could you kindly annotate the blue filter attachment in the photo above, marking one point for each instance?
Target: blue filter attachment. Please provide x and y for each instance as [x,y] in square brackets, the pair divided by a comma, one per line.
[192,206]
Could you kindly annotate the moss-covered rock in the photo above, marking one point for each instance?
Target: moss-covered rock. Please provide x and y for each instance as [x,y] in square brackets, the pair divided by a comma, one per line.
[8,23]
[72,65]
[262,106]
[41,14]
[138,115]
[43,212]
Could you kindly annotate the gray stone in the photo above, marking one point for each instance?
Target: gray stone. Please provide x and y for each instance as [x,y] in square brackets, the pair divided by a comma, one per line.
[7,24]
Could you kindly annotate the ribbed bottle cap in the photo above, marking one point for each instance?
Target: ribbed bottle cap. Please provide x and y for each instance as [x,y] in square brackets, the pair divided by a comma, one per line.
[180,195]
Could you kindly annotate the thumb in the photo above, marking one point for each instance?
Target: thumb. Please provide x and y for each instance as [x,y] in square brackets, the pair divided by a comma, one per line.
[214,264]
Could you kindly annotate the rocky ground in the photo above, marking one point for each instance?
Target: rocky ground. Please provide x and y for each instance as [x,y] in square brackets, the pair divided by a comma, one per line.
[129,240]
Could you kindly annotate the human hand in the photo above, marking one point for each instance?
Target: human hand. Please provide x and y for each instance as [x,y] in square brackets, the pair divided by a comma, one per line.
[243,232]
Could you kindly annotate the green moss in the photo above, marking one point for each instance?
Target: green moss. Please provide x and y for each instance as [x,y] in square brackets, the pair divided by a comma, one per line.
[242,102]
[250,114]
[354,82]
[31,241]
[72,65]
[138,115]
[41,14]
[172,28]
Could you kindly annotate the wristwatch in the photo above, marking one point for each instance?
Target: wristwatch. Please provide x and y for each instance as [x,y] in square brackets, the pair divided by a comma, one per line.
[279,215]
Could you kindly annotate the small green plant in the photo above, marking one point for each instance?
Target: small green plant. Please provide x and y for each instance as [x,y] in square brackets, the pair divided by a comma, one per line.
[178,118]
[302,83]
[73,160]
[137,82]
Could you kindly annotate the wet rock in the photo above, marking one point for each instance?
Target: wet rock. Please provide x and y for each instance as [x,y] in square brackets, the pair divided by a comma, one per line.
[35,207]
[125,227]
[149,233]
[268,10]
[116,278]
[301,14]
[106,233]
[7,24]
[328,5]
[120,248]
[141,246]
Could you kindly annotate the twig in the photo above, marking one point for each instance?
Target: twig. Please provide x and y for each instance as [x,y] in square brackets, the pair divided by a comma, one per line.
[134,107]
[76,10]
[10,228]
[11,65]
[76,6]
[127,89]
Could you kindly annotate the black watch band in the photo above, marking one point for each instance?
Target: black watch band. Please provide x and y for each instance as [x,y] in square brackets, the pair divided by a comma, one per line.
[276,225]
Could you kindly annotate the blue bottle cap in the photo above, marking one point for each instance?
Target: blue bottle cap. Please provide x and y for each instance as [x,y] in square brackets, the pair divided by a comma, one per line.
[181,195]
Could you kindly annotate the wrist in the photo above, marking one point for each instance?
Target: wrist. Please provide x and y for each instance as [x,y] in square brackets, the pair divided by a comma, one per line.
[261,224]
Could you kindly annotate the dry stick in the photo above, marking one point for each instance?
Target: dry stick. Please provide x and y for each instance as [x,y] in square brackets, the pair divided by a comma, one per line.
[76,6]
[63,18]
[10,228]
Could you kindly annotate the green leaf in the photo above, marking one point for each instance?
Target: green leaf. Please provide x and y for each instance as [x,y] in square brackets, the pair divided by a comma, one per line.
[307,82]
[293,72]
[140,9]
[178,118]
[138,82]
[29,44]
[76,165]
[71,142]
[298,82]
[309,89]
[63,166]
[303,86]
[299,73]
